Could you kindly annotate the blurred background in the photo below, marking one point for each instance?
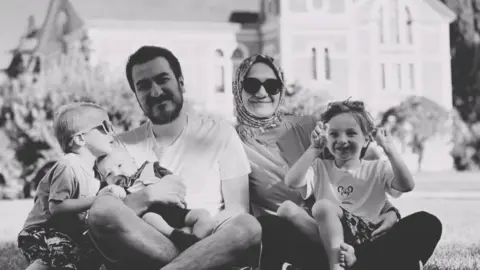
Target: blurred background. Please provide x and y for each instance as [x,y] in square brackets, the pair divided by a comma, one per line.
[414,62]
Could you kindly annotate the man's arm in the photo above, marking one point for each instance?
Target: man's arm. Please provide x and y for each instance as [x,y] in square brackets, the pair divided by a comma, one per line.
[236,194]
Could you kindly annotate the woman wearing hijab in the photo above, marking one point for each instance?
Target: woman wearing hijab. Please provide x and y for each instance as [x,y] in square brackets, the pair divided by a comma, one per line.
[273,142]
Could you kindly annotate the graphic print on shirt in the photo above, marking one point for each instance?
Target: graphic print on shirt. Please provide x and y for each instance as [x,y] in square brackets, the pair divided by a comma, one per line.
[349,189]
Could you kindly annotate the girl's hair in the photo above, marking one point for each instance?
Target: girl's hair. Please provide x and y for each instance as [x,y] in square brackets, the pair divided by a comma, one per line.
[359,113]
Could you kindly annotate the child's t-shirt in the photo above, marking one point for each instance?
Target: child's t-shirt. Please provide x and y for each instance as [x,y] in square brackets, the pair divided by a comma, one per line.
[69,178]
[361,191]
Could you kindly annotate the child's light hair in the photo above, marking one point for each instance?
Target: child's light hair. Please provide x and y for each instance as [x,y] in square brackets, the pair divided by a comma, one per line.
[73,118]
[359,113]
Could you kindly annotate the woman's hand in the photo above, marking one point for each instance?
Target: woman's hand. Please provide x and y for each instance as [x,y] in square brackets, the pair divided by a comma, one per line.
[318,138]
[384,223]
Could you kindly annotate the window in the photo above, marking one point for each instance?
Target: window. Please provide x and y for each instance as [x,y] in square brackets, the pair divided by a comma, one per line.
[411,78]
[328,74]
[408,26]
[219,72]
[383,75]
[399,75]
[381,25]
[318,4]
[395,23]
[237,57]
[320,70]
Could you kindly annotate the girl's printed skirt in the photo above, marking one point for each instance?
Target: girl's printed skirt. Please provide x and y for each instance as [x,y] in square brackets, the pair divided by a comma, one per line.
[356,230]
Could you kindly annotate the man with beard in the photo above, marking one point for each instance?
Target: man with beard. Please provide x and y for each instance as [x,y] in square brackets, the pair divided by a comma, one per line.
[210,171]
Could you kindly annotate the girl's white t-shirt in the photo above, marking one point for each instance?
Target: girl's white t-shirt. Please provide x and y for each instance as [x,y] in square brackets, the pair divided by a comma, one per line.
[361,191]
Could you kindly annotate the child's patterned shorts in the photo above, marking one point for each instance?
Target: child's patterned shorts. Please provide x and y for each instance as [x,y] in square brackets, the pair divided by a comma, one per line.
[355,229]
[57,250]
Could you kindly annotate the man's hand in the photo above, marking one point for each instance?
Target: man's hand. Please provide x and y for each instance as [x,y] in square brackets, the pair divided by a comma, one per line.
[318,138]
[384,223]
[169,190]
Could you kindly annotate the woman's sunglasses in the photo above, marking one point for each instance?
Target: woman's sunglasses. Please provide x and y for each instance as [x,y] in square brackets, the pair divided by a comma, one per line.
[253,85]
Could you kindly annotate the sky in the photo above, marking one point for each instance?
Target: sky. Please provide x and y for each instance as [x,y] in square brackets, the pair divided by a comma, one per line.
[13,19]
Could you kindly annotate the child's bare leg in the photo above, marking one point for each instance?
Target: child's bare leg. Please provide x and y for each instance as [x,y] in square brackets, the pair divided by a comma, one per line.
[347,255]
[157,221]
[300,218]
[201,222]
[328,217]
[38,265]
[181,239]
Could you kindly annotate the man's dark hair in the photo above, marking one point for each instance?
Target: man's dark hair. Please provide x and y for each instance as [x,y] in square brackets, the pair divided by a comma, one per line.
[147,53]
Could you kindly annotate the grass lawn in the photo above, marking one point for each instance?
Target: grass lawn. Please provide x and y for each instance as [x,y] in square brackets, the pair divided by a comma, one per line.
[453,197]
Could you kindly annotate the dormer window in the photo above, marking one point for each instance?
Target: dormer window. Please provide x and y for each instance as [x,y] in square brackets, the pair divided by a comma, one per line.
[395,24]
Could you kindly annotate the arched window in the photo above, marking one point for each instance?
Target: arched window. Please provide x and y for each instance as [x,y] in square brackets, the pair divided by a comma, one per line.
[408,25]
[381,25]
[219,71]
[395,22]
[237,57]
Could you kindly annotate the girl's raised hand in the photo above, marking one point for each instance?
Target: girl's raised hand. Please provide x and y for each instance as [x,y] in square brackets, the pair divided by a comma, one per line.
[318,138]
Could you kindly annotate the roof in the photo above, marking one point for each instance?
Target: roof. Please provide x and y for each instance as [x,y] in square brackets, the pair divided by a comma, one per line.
[164,10]
[79,11]
[442,9]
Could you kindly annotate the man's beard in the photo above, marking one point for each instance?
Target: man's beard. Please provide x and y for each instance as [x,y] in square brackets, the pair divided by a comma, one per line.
[159,114]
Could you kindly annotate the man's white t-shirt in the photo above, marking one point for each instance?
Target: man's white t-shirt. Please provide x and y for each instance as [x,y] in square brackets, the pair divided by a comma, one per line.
[207,152]
[361,191]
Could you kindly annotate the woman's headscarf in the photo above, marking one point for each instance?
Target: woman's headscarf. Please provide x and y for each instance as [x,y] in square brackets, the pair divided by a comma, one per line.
[250,125]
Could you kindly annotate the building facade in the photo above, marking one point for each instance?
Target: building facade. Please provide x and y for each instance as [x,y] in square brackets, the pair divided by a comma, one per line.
[379,51]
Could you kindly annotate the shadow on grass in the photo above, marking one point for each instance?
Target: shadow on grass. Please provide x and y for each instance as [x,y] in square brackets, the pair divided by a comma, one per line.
[446,257]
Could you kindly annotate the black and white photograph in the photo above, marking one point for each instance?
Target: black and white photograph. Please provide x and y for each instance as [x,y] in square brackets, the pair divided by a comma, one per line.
[240,134]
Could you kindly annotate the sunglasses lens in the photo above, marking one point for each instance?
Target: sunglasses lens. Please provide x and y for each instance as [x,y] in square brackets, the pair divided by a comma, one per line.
[251,85]
[272,86]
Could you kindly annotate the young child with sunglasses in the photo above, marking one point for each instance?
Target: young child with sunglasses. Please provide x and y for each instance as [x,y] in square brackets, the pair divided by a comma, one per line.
[120,176]
[350,192]
[53,234]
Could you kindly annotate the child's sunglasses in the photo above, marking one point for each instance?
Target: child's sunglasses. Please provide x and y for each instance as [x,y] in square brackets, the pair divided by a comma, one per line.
[253,85]
[105,127]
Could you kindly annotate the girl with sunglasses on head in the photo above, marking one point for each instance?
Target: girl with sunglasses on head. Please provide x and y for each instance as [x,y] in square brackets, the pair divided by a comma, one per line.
[53,234]
[274,141]
[350,191]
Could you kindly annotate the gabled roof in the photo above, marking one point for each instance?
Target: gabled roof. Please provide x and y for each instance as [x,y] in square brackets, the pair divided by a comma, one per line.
[164,10]
[79,11]
[442,9]
[49,36]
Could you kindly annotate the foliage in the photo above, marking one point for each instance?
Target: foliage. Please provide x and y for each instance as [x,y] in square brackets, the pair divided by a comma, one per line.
[303,101]
[465,51]
[27,110]
[420,116]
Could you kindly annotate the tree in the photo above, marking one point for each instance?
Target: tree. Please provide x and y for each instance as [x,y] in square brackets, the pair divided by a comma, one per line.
[465,51]
[414,121]
[27,110]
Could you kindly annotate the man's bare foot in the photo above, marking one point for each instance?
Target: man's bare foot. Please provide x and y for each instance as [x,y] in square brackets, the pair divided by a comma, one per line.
[347,256]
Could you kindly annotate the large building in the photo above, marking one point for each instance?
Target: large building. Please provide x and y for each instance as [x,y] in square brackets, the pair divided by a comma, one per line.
[377,50]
